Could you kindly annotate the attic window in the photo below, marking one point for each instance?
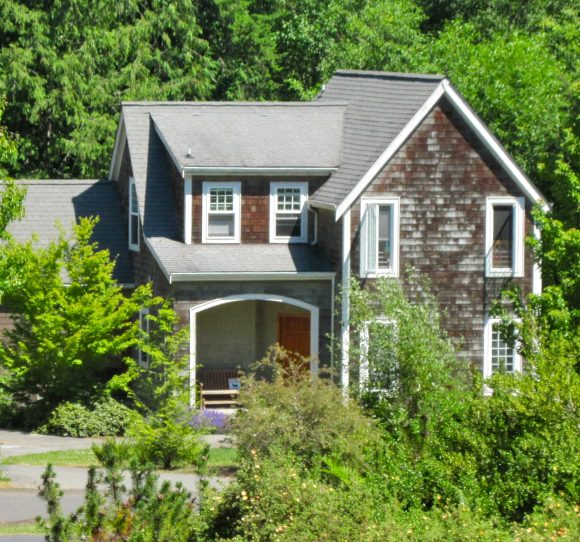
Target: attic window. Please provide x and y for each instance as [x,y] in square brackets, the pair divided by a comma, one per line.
[221,212]
[288,216]
[133,216]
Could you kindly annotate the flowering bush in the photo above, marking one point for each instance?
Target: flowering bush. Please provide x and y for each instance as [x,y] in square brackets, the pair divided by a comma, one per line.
[211,420]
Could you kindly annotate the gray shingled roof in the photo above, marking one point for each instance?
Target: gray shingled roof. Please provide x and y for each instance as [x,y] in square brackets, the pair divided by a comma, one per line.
[257,135]
[64,202]
[380,104]
[348,126]
[238,258]
[150,171]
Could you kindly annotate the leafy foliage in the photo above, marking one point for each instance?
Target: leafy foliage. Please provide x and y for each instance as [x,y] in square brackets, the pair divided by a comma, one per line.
[307,418]
[73,324]
[164,437]
[107,417]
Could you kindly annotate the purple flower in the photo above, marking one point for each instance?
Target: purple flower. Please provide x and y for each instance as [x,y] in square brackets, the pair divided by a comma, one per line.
[213,420]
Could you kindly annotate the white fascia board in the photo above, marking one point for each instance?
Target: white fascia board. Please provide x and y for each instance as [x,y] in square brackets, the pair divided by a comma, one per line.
[166,145]
[156,258]
[119,145]
[321,205]
[494,146]
[390,151]
[245,171]
[220,277]
[445,88]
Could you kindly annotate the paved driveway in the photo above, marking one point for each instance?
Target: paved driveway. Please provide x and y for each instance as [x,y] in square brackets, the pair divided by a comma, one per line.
[19,443]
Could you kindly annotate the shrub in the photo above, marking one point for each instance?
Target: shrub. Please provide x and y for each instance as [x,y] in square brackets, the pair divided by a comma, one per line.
[108,417]
[309,418]
[148,511]
[167,442]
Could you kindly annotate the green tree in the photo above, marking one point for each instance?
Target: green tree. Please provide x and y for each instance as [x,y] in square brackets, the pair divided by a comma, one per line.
[66,66]
[73,324]
[11,198]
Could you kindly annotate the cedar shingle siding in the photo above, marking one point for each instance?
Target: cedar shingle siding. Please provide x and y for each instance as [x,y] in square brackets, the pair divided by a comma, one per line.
[443,175]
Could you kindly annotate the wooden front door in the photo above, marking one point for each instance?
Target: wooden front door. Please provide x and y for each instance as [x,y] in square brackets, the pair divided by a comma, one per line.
[294,333]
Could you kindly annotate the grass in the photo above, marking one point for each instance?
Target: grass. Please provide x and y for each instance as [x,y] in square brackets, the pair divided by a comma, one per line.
[219,459]
[65,458]
[223,458]
[20,528]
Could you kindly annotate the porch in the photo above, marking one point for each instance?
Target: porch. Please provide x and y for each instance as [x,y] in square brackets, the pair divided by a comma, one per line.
[228,335]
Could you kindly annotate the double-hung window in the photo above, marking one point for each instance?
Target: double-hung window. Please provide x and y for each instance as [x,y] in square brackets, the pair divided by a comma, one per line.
[499,355]
[221,212]
[379,237]
[288,212]
[504,238]
[379,368]
[133,216]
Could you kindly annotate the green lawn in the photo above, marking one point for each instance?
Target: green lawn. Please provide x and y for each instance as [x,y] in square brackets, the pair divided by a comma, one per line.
[66,458]
[219,458]
[20,528]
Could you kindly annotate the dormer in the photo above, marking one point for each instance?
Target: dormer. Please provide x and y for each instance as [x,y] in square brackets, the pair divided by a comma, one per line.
[241,172]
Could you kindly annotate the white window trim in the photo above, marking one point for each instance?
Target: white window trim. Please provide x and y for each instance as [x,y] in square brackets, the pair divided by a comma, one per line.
[144,325]
[518,205]
[303,211]
[313,219]
[394,271]
[133,212]
[487,361]
[207,186]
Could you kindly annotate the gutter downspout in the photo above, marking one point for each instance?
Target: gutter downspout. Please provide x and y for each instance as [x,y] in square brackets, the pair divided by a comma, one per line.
[345,302]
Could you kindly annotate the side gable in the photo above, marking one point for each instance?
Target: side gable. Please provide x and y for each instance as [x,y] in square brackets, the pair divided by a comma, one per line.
[443,90]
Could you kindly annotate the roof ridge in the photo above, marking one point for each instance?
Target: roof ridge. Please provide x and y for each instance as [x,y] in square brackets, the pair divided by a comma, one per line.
[334,103]
[62,181]
[388,75]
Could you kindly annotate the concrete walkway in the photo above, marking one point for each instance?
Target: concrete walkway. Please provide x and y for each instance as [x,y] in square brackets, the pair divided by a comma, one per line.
[19,501]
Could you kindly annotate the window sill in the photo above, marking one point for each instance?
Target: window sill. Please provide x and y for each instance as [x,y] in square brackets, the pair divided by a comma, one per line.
[388,274]
[503,273]
[287,240]
[220,241]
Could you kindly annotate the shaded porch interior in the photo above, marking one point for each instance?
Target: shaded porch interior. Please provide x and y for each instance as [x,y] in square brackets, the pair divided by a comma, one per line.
[235,335]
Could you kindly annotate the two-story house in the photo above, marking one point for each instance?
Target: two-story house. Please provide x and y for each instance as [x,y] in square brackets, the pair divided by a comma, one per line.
[252,216]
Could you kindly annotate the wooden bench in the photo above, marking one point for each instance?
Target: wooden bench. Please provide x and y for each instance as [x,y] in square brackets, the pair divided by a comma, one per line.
[214,388]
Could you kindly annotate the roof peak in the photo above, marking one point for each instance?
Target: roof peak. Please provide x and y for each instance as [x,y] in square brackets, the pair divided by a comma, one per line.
[388,75]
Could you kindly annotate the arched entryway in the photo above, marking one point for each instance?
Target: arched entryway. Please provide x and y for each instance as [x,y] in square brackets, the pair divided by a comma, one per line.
[235,331]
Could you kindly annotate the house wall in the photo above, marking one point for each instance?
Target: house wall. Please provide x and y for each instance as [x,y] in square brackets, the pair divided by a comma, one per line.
[443,176]
[318,293]
[255,201]
[144,264]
